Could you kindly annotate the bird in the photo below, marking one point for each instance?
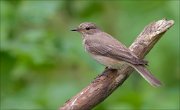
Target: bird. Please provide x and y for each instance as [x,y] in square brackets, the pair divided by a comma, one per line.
[111,53]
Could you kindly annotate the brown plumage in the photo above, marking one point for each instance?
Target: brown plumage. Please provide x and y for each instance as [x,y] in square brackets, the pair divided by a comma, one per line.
[110,52]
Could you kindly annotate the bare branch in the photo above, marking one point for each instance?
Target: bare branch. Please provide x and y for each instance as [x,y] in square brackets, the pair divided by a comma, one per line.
[109,80]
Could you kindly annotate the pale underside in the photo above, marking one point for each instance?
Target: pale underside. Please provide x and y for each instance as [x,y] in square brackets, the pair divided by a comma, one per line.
[108,62]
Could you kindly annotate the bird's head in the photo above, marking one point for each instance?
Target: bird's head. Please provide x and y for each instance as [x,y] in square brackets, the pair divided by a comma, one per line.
[87,28]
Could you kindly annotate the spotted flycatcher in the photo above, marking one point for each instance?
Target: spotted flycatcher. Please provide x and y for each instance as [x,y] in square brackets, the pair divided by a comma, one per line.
[112,53]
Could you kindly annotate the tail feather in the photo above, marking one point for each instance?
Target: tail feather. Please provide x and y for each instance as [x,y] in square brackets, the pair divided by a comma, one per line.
[147,75]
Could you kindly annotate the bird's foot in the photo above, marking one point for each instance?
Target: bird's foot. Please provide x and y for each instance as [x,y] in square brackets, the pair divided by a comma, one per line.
[106,68]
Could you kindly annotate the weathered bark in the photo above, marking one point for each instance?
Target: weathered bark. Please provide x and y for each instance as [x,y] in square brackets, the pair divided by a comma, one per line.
[109,80]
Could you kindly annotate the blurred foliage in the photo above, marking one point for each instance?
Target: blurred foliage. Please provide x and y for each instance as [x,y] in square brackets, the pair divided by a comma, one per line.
[43,64]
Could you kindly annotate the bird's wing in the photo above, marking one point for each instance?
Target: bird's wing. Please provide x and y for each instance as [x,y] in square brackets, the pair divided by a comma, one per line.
[112,50]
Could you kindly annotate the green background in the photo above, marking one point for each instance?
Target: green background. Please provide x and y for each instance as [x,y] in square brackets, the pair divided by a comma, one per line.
[43,63]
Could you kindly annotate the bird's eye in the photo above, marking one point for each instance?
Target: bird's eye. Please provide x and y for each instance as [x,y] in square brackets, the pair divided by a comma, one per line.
[88,28]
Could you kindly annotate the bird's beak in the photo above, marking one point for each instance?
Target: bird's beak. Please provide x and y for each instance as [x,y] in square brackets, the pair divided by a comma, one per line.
[75,29]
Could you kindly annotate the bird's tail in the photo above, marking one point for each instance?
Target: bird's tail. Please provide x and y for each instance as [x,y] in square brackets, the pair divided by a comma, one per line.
[143,71]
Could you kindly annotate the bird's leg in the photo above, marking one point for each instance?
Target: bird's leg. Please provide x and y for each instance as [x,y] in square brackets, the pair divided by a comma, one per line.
[109,68]
[106,68]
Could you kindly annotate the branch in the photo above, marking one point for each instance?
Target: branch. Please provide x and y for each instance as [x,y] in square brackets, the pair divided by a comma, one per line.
[109,80]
